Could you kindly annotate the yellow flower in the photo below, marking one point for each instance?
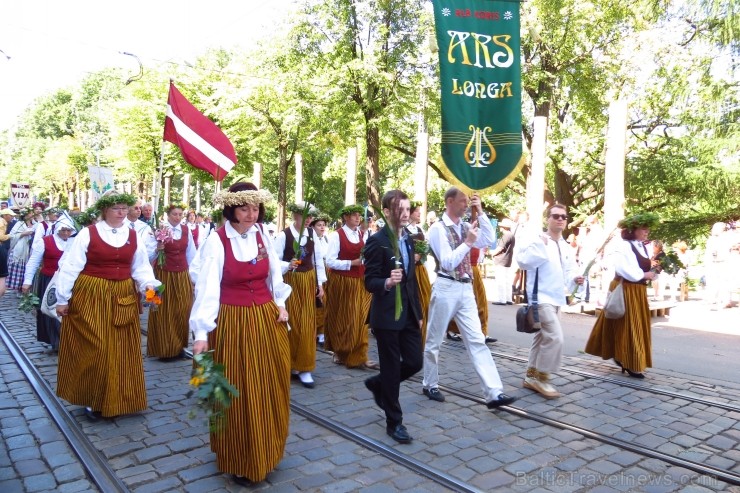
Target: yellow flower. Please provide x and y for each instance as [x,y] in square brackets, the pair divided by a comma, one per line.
[196,381]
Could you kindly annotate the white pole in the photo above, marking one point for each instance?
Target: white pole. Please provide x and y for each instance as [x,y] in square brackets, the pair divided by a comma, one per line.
[351,184]
[257,175]
[616,136]
[298,177]
[536,179]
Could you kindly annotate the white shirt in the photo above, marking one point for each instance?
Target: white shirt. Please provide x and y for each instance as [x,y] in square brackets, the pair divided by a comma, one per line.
[557,266]
[191,251]
[39,233]
[37,256]
[146,234]
[448,258]
[317,257]
[624,261]
[333,251]
[208,286]
[75,258]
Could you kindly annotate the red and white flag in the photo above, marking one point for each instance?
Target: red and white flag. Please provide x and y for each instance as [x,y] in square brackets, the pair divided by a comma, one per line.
[201,142]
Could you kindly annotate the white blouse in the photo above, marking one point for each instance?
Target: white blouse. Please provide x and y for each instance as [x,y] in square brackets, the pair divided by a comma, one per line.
[332,251]
[208,285]
[318,251]
[625,262]
[37,256]
[75,258]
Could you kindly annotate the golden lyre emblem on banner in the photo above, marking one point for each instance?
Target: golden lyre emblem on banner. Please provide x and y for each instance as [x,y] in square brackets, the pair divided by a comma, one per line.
[479,152]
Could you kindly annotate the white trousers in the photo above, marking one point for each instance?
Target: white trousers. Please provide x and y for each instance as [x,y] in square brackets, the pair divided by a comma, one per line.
[455,300]
[502,280]
[546,353]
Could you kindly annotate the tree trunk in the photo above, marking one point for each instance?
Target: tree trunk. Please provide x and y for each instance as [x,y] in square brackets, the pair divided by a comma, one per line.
[372,162]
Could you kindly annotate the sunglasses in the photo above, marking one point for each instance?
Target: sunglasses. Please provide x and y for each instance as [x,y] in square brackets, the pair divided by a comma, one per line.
[561,217]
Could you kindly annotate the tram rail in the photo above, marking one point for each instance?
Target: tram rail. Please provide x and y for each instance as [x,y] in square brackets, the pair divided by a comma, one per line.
[96,466]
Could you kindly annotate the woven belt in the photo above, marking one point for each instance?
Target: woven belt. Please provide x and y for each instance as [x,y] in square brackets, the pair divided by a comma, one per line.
[464,280]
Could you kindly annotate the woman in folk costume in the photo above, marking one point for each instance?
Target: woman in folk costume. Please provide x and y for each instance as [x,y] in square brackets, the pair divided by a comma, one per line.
[20,248]
[98,288]
[47,254]
[347,301]
[192,224]
[424,286]
[167,329]
[627,339]
[303,271]
[239,312]
[320,225]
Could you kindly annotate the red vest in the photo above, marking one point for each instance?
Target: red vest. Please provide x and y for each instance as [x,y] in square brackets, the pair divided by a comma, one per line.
[195,232]
[308,249]
[349,251]
[52,254]
[174,253]
[106,261]
[244,283]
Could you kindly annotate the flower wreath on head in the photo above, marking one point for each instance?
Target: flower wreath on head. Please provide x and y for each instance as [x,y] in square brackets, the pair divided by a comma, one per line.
[415,204]
[54,210]
[320,216]
[642,220]
[109,199]
[348,210]
[40,205]
[184,208]
[24,211]
[87,217]
[243,197]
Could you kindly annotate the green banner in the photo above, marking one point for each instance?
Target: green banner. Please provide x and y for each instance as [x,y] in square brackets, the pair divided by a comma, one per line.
[479,58]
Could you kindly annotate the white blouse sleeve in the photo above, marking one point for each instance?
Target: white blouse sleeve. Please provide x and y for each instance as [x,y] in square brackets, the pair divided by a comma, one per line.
[625,262]
[75,259]
[191,251]
[207,289]
[141,268]
[332,252]
[280,290]
[34,261]
[279,246]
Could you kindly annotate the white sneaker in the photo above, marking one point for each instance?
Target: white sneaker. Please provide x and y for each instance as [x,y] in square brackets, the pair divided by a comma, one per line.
[546,389]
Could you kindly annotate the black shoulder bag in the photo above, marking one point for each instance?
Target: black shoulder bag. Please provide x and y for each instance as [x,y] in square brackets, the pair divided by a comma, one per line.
[528,317]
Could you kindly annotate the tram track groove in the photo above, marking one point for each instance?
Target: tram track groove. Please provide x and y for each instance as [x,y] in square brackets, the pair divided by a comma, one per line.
[97,467]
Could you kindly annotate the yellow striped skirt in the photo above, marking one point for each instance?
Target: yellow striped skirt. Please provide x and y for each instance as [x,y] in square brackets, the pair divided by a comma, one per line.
[347,307]
[167,329]
[301,306]
[425,294]
[254,348]
[100,361]
[627,339]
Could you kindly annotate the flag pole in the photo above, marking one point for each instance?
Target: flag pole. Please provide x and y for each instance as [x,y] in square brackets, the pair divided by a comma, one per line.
[155,206]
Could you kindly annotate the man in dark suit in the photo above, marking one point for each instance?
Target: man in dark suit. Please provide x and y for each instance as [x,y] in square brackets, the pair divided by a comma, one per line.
[399,340]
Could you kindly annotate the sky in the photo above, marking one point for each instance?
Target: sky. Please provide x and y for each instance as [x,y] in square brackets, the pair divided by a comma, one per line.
[52,44]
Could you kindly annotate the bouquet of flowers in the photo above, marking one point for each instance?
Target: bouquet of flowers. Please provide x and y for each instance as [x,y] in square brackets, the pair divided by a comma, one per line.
[28,302]
[422,248]
[671,264]
[300,252]
[212,389]
[393,237]
[163,235]
[153,297]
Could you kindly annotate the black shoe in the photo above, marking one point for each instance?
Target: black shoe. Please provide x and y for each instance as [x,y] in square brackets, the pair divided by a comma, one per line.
[454,337]
[633,374]
[373,386]
[498,303]
[490,340]
[618,364]
[501,400]
[509,302]
[399,433]
[91,415]
[434,394]
[241,480]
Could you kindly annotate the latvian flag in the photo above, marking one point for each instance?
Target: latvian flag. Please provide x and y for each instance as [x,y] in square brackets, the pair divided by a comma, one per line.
[201,142]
